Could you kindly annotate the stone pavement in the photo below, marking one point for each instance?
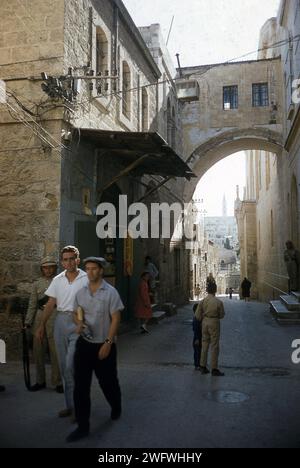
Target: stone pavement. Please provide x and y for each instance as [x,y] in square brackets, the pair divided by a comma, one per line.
[168,404]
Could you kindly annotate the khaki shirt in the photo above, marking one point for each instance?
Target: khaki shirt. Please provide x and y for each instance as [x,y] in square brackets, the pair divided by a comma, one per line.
[210,307]
[37,293]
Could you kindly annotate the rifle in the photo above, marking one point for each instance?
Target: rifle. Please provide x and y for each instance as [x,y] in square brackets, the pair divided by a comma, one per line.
[42,302]
[25,354]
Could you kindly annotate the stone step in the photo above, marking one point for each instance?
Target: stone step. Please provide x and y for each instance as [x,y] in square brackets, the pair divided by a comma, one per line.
[282,314]
[296,294]
[168,307]
[290,302]
[157,316]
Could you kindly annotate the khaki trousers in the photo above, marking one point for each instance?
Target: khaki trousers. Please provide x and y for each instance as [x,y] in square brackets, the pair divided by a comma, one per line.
[210,337]
[40,350]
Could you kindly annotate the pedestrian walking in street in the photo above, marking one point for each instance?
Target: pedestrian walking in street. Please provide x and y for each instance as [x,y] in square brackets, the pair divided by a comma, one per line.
[292,261]
[101,306]
[230,293]
[246,288]
[61,294]
[37,302]
[210,280]
[153,271]
[197,292]
[210,311]
[197,338]
[143,309]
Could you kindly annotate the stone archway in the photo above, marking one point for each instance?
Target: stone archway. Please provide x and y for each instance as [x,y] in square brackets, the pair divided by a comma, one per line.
[213,150]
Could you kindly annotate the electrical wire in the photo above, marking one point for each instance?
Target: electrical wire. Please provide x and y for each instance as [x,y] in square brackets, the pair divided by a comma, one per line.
[49,140]
[209,67]
[37,131]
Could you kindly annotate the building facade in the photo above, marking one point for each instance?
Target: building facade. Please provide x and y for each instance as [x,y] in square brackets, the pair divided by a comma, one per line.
[83,92]
[94,110]
[269,213]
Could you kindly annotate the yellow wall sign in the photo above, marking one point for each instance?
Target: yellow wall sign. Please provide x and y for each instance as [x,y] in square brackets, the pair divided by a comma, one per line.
[128,256]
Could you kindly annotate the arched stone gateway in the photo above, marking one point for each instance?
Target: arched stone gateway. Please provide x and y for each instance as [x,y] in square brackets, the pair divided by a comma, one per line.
[213,150]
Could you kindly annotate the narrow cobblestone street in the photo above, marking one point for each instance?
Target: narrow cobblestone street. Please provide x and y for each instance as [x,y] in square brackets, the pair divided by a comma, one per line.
[168,404]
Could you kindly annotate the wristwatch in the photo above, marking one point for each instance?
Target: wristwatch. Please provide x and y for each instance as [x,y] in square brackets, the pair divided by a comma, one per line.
[108,341]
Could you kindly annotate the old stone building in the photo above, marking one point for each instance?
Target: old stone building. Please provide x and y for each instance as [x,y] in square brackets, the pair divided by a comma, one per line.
[219,229]
[85,101]
[269,213]
[227,120]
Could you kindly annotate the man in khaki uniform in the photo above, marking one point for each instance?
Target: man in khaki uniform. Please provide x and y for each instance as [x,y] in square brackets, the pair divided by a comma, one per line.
[210,310]
[33,319]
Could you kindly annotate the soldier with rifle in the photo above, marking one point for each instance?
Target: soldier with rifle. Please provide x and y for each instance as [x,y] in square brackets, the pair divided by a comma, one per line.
[38,300]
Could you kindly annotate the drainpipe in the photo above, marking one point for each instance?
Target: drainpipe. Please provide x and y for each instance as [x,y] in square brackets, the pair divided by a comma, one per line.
[91,36]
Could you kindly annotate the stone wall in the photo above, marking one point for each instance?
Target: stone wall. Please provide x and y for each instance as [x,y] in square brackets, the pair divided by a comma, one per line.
[206,119]
[31,42]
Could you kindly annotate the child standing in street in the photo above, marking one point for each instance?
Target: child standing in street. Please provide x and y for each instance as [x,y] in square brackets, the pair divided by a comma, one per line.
[197,339]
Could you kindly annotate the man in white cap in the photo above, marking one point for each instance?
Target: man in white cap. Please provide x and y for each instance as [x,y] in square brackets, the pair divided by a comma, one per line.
[62,292]
[100,305]
[38,300]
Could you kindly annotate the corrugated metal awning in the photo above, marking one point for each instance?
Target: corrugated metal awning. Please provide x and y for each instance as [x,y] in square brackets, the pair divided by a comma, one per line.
[142,153]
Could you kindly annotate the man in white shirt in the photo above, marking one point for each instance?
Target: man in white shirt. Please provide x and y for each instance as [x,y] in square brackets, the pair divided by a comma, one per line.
[62,292]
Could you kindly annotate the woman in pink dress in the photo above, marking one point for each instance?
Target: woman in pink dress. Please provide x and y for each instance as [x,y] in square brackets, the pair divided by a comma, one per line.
[143,309]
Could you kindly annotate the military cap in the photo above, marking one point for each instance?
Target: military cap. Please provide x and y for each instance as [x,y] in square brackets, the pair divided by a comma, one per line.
[48,261]
[99,260]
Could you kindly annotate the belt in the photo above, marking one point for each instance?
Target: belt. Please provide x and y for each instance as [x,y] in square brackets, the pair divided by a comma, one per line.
[205,316]
[67,312]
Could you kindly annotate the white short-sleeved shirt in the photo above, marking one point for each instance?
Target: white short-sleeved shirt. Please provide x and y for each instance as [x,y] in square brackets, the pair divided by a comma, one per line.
[98,309]
[65,292]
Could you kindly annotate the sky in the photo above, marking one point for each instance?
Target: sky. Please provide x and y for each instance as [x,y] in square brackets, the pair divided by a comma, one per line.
[234,167]
[205,32]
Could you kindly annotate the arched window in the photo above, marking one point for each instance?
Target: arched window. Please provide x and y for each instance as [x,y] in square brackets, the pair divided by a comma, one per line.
[102,66]
[126,95]
[145,111]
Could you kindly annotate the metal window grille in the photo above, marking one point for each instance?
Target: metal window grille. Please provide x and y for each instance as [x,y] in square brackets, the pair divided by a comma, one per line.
[230,97]
[260,95]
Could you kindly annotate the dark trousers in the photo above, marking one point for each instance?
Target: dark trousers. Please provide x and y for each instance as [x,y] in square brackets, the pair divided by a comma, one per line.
[197,352]
[86,362]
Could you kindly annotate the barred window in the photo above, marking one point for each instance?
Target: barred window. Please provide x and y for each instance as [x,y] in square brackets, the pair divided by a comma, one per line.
[230,97]
[260,95]
[102,65]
